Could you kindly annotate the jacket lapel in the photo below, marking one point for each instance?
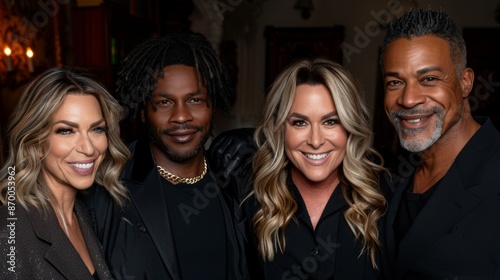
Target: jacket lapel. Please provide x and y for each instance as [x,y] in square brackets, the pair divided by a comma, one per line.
[61,253]
[235,233]
[449,204]
[452,200]
[392,210]
[93,246]
[145,189]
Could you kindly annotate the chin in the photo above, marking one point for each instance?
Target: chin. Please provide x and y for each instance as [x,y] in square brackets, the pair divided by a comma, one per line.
[316,178]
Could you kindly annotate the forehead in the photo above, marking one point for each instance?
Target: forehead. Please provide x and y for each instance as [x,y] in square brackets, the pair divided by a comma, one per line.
[428,49]
[79,107]
[313,98]
[179,77]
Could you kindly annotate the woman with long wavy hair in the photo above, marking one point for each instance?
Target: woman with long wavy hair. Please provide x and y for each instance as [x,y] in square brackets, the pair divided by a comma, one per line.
[63,136]
[315,204]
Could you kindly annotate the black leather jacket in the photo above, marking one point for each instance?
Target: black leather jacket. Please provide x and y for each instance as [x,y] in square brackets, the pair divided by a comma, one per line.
[230,155]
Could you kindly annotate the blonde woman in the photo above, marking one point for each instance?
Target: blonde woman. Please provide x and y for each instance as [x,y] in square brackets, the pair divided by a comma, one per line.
[315,206]
[63,137]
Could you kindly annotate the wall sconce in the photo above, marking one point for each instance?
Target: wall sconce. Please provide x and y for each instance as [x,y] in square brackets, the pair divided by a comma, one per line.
[29,54]
[17,63]
[8,60]
[14,58]
[305,6]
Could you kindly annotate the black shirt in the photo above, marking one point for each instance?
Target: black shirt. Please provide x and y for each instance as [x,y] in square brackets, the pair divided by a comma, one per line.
[198,229]
[410,206]
[328,252]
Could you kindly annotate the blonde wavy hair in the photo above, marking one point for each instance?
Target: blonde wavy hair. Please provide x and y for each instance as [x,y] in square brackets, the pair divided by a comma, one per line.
[359,171]
[30,126]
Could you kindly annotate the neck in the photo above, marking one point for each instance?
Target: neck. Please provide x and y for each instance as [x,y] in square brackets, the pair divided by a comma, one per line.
[438,158]
[309,188]
[64,209]
[187,169]
[447,148]
[63,200]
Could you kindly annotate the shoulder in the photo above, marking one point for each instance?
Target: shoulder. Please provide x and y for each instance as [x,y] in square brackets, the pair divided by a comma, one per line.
[230,157]
[231,145]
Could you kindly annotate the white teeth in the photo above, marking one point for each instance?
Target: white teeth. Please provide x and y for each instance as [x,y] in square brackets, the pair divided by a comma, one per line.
[83,165]
[414,121]
[318,156]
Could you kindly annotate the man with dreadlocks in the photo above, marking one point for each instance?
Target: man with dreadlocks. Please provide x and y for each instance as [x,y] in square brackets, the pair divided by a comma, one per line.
[443,219]
[179,223]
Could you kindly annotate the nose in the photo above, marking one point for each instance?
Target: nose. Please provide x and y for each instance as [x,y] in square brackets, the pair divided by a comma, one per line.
[316,137]
[181,114]
[85,145]
[411,96]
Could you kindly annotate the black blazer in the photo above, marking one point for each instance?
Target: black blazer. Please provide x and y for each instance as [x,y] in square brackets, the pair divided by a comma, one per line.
[137,239]
[457,233]
[42,249]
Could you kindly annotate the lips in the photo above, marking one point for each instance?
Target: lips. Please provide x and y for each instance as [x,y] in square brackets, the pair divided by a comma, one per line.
[182,136]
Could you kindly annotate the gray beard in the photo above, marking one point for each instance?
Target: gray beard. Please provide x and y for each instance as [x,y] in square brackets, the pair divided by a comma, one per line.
[417,145]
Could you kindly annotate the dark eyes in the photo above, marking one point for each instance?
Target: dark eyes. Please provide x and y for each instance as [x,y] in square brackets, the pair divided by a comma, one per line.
[298,123]
[167,102]
[430,80]
[162,102]
[332,122]
[423,81]
[393,83]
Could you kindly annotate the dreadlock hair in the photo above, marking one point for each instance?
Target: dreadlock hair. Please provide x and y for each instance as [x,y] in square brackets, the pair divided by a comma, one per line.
[419,22]
[144,66]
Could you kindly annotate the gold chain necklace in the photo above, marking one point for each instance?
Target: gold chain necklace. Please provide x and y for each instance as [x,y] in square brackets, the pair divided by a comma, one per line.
[176,179]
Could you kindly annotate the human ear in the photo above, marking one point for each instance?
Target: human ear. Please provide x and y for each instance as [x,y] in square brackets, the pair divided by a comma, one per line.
[467,81]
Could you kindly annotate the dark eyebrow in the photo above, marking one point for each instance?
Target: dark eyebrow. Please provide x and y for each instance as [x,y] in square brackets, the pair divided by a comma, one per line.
[332,114]
[300,116]
[168,95]
[391,74]
[429,69]
[419,72]
[73,124]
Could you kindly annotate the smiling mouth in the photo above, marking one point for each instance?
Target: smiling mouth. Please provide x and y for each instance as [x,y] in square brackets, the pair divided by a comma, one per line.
[414,120]
[183,132]
[316,156]
[83,165]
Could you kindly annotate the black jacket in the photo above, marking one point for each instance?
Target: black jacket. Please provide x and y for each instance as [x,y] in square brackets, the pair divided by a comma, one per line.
[456,234]
[41,250]
[137,239]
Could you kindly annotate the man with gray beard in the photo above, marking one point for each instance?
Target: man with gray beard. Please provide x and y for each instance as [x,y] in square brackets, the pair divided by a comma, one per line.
[442,221]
